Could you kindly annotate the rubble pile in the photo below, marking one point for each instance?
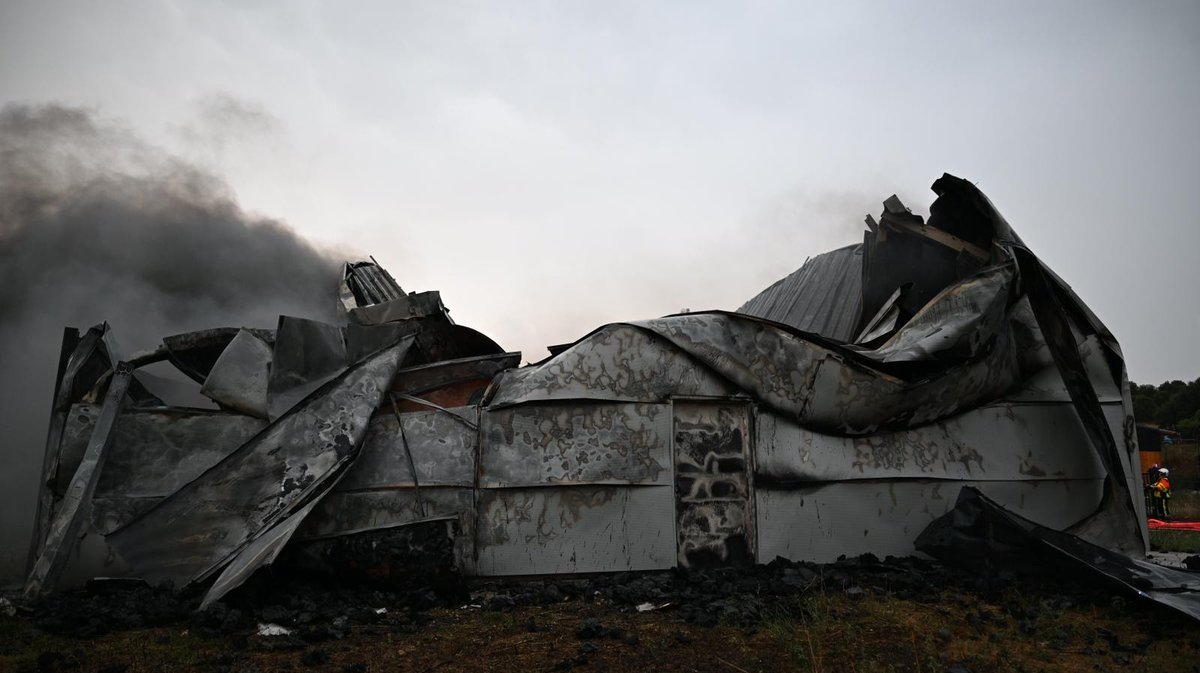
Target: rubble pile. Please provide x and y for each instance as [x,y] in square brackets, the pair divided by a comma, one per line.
[312,609]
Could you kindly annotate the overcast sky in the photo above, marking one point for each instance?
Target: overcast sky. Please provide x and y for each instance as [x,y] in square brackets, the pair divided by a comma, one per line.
[553,166]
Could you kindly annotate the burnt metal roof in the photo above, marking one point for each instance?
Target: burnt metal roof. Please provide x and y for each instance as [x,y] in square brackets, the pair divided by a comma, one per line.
[823,296]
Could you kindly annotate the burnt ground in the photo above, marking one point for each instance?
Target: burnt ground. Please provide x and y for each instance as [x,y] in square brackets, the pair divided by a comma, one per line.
[856,615]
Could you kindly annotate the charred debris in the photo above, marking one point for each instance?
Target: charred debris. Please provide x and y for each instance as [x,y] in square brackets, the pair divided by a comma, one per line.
[935,388]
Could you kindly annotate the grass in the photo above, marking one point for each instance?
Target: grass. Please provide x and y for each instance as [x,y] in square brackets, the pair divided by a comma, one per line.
[1175,540]
[822,632]
[886,634]
[1185,504]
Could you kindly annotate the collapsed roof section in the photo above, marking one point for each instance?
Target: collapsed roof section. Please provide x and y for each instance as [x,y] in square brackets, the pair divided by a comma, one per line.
[878,381]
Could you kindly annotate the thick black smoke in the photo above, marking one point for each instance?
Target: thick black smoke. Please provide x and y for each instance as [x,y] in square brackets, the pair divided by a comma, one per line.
[96,225]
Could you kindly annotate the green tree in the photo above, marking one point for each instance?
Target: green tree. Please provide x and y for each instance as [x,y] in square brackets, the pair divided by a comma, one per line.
[1171,404]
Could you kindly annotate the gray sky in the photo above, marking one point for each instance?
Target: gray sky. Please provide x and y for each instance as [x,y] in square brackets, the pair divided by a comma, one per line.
[551,166]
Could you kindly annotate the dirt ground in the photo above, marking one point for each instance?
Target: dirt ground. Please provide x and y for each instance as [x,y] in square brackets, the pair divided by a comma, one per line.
[861,628]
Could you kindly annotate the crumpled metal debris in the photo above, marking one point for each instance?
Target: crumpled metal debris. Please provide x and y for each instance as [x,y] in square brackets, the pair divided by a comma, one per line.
[834,415]
[981,534]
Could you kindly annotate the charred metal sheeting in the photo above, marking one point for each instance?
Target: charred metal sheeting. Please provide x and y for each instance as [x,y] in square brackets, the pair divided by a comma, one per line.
[406,557]
[195,353]
[885,321]
[154,453]
[822,521]
[576,529]
[1121,519]
[982,533]
[572,444]
[824,296]
[266,482]
[70,518]
[437,375]
[982,443]
[616,362]
[238,379]
[443,451]
[366,283]
[71,358]
[262,551]
[380,491]
[365,340]
[826,387]
[308,354]
[883,377]
[416,305]
[715,521]
[957,323]
[372,297]
[343,513]
[441,340]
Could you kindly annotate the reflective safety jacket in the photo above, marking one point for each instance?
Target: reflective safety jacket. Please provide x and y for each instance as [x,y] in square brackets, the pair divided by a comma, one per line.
[1162,488]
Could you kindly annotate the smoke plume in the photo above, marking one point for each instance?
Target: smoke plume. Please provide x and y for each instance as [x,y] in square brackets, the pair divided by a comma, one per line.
[96,225]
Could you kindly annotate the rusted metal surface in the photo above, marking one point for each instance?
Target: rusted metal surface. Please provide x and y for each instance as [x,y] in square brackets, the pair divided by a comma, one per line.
[712,447]
[200,527]
[565,443]
[70,517]
[575,529]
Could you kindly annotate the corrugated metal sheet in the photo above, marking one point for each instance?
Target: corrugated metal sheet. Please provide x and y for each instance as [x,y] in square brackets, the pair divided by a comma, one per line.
[982,443]
[823,296]
[575,529]
[570,444]
[619,362]
[821,522]
[350,512]
[295,460]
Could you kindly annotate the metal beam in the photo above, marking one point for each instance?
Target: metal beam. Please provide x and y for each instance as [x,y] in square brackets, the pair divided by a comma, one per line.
[72,514]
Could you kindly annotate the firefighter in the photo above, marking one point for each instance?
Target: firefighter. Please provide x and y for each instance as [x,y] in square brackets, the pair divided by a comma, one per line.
[1160,493]
[1148,481]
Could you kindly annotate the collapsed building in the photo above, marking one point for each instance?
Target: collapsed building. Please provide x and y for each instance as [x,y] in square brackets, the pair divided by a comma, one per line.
[841,411]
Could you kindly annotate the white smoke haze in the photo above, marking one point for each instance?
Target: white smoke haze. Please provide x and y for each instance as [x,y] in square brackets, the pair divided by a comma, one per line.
[96,225]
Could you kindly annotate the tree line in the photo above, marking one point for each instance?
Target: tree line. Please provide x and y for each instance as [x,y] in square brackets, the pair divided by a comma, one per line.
[1174,405]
